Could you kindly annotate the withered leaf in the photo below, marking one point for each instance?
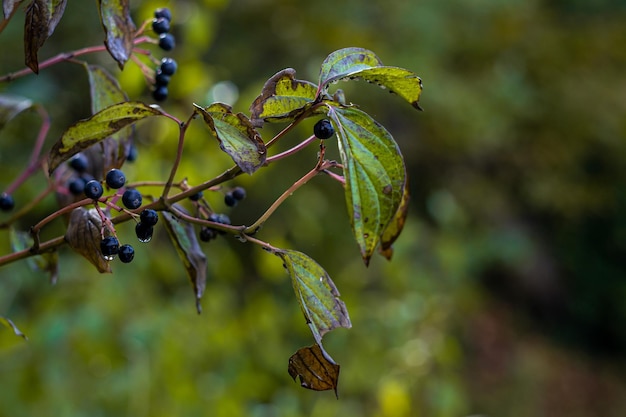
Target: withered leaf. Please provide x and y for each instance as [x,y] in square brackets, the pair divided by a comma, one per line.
[119,28]
[315,369]
[184,239]
[42,17]
[83,235]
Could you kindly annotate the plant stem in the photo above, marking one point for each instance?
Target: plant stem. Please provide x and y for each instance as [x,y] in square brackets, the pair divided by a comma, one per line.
[179,154]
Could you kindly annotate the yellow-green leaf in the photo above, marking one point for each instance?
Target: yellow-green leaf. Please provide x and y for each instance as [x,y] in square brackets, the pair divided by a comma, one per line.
[346,61]
[316,293]
[395,226]
[101,125]
[236,135]
[119,28]
[374,172]
[283,98]
[183,237]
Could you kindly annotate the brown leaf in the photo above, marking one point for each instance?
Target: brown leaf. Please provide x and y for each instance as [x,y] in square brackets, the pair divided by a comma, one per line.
[315,369]
[42,17]
[83,235]
[119,29]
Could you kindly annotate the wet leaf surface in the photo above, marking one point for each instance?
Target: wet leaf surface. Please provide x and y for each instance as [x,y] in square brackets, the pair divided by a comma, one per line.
[236,135]
[183,237]
[283,98]
[374,171]
[316,293]
[83,235]
[315,369]
[101,125]
[118,27]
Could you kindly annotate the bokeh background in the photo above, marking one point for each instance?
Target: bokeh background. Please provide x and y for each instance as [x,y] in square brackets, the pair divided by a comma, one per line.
[505,295]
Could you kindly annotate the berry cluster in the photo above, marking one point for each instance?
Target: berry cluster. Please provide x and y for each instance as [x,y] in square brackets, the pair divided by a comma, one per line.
[162,78]
[110,245]
[234,196]
[161,26]
[207,233]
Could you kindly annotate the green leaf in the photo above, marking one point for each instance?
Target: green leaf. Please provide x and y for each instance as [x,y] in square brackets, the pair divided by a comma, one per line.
[315,369]
[345,61]
[8,323]
[236,135]
[45,262]
[87,132]
[105,91]
[374,172]
[11,106]
[84,235]
[359,63]
[283,98]
[395,226]
[119,28]
[317,294]
[42,17]
[183,237]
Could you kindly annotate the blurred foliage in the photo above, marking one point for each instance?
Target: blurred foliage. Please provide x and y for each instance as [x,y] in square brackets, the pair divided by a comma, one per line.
[505,294]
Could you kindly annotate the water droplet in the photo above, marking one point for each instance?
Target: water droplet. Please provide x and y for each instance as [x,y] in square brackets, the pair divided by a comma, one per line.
[108,257]
[146,240]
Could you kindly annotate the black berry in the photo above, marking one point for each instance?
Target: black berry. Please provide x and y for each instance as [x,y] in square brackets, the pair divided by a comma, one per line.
[131,199]
[93,189]
[160,25]
[76,186]
[160,93]
[323,129]
[168,66]
[219,218]
[6,202]
[109,246]
[126,253]
[144,232]
[149,217]
[163,12]
[197,196]
[160,79]
[115,179]
[132,153]
[166,41]
[230,200]
[79,162]
[207,234]
[239,193]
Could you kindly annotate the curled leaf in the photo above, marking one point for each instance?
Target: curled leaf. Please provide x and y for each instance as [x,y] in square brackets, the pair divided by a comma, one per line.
[8,323]
[395,226]
[119,28]
[283,98]
[96,128]
[345,61]
[236,135]
[42,17]
[374,172]
[83,235]
[11,106]
[183,237]
[317,294]
[315,369]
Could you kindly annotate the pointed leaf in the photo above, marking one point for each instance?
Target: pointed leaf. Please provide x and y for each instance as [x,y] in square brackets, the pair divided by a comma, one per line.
[283,98]
[42,17]
[84,236]
[236,135]
[8,323]
[119,28]
[374,172]
[317,294]
[345,61]
[11,106]
[395,226]
[400,81]
[89,131]
[45,262]
[183,237]
[315,369]
[9,6]
[105,91]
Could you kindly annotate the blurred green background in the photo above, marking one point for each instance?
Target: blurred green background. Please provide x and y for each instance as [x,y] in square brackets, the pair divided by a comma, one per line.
[505,296]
